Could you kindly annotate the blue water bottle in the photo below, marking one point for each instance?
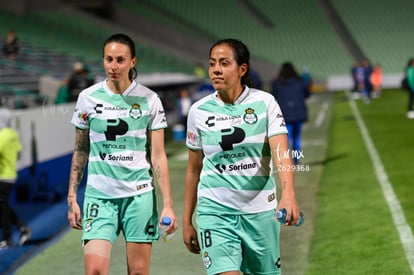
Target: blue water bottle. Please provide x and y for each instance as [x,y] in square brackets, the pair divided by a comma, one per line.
[165,222]
[281,217]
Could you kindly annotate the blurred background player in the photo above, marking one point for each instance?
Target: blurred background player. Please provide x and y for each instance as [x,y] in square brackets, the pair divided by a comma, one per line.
[10,148]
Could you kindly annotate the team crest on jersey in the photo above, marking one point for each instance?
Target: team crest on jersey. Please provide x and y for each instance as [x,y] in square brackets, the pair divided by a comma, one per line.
[88,226]
[250,117]
[135,111]
[207,260]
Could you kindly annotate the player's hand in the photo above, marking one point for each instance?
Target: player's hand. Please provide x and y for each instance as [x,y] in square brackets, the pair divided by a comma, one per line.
[74,214]
[169,212]
[190,239]
[292,209]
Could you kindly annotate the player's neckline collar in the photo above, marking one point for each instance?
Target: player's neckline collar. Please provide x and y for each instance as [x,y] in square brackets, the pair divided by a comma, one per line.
[126,92]
[241,97]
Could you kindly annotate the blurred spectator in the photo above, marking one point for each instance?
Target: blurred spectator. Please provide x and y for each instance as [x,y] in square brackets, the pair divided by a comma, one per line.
[354,76]
[366,92]
[200,71]
[10,147]
[11,46]
[306,77]
[79,80]
[291,93]
[409,72]
[256,79]
[359,77]
[62,94]
[203,90]
[376,80]
[183,106]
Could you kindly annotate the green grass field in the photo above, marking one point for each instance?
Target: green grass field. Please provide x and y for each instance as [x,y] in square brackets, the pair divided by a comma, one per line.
[348,227]
[354,232]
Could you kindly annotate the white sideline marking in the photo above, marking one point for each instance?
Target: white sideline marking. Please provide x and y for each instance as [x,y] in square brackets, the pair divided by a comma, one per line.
[321,114]
[183,156]
[313,142]
[404,230]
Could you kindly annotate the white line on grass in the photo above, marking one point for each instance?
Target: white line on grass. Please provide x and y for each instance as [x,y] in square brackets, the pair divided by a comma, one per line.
[313,142]
[183,156]
[404,230]
[321,114]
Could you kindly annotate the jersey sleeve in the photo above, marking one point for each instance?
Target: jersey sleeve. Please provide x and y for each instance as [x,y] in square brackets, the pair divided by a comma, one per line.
[157,118]
[80,115]
[276,121]
[193,137]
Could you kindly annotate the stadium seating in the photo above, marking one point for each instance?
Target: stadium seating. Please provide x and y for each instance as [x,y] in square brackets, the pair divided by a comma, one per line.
[381,34]
[51,42]
[383,30]
[318,47]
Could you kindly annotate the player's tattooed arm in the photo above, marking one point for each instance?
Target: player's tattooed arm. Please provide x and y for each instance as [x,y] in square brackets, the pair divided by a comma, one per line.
[79,159]
[157,170]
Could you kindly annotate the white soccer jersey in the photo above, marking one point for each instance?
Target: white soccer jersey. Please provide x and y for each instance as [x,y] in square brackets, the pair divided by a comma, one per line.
[236,175]
[119,164]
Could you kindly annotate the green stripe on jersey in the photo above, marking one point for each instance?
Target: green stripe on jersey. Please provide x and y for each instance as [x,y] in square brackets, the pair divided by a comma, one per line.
[119,126]
[236,171]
